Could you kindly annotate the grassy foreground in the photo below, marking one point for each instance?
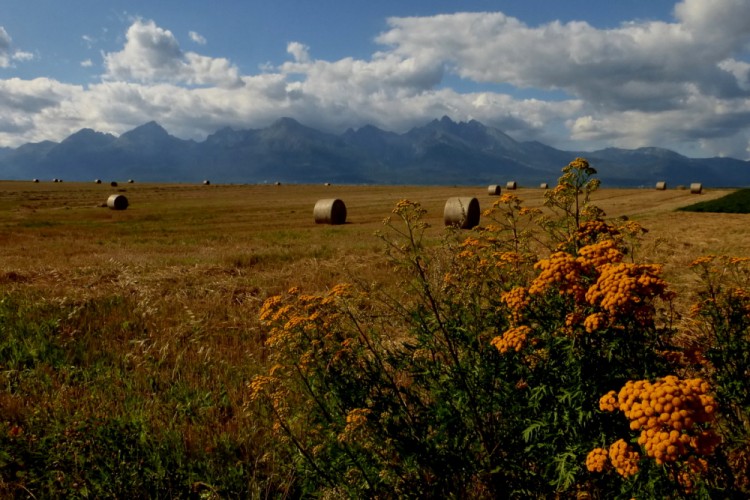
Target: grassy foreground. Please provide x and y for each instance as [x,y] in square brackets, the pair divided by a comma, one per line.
[128,339]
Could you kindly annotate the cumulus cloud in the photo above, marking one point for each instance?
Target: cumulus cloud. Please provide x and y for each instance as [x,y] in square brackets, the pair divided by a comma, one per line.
[299,51]
[8,54]
[683,83]
[197,38]
[153,55]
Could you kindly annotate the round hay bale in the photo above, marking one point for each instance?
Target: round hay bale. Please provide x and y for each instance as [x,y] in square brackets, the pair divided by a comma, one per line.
[696,188]
[462,212]
[35,180]
[117,202]
[511,185]
[330,211]
[277,183]
[543,185]
[130,181]
[97,181]
[113,184]
[493,190]
[206,182]
[327,184]
[661,186]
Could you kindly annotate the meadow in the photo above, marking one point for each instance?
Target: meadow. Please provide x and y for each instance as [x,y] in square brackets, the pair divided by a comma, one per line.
[130,338]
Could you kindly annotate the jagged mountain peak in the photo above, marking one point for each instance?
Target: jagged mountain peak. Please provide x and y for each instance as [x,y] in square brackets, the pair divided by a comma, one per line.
[441,151]
[151,128]
[87,135]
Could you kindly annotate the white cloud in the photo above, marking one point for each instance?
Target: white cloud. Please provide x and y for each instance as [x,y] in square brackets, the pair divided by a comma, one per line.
[299,51]
[683,84]
[87,63]
[153,55]
[8,54]
[197,38]
[740,70]
[20,55]
[5,41]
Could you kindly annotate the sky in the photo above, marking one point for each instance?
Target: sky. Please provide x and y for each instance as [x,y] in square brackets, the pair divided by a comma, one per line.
[576,75]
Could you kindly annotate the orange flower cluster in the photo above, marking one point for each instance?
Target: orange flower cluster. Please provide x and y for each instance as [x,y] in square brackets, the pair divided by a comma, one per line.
[513,339]
[621,289]
[590,231]
[508,258]
[595,321]
[608,402]
[517,299]
[624,458]
[563,271]
[469,248]
[599,254]
[567,272]
[597,460]
[666,412]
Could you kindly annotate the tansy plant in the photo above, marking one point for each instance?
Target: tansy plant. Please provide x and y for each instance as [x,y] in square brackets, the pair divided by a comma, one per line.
[491,372]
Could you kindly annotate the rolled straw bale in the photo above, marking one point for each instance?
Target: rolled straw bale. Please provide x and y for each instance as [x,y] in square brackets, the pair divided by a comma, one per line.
[543,185]
[113,184]
[277,183]
[130,181]
[330,211]
[206,182]
[511,185]
[696,188]
[661,186]
[117,202]
[493,190]
[36,180]
[462,212]
[97,181]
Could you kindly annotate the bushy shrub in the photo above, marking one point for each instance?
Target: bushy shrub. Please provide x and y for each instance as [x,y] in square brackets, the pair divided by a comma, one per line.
[494,373]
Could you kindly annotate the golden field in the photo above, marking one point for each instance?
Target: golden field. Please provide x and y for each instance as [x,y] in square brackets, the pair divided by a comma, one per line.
[255,240]
[157,305]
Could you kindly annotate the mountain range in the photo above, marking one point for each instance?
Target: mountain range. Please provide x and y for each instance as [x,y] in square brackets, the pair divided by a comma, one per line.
[442,152]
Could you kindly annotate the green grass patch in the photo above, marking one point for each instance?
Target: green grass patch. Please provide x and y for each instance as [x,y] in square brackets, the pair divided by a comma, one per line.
[734,203]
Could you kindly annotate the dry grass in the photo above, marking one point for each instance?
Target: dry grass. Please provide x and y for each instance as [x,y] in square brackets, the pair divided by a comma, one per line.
[252,241]
[168,291]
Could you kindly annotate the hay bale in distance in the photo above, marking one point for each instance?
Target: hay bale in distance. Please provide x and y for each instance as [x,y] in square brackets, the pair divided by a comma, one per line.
[117,202]
[661,186]
[97,181]
[696,188]
[206,182]
[511,185]
[277,183]
[130,181]
[113,184]
[462,212]
[543,185]
[35,181]
[329,211]
[493,190]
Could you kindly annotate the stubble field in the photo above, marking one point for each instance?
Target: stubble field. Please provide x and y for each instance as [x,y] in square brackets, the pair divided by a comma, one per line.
[154,308]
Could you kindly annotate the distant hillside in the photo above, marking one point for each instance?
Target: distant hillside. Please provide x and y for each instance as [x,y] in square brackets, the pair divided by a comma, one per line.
[442,152]
[733,203]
